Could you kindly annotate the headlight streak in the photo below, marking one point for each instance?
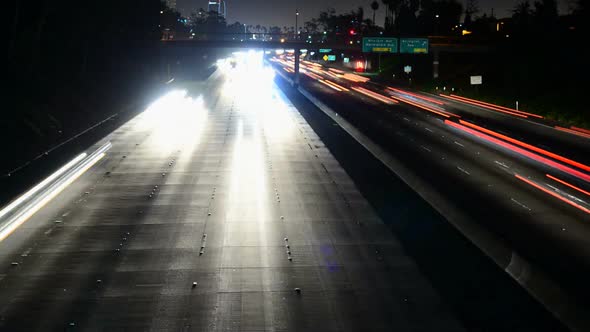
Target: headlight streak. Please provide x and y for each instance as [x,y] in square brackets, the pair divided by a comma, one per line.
[38,202]
[41,185]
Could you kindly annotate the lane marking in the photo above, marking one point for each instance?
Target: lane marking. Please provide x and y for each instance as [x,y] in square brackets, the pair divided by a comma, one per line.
[568,184]
[425,148]
[527,146]
[26,253]
[501,164]
[547,191]
[459,144]
[462,170]
[519,203]
[521,151]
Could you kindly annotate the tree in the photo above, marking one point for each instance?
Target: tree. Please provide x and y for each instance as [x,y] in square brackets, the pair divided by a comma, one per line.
[471,8]
[545,15]
[342,27]
[439,17]
[522,18]
[374,7]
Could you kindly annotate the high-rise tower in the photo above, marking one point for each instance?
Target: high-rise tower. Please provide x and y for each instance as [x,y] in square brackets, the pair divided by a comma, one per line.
[171,4]
[217,6]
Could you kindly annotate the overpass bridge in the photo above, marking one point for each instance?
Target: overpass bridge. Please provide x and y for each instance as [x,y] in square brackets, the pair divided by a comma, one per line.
[437,45]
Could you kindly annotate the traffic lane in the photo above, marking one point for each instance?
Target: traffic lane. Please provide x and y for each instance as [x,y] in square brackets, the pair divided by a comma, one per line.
[456,267]
[498,215]
[543,136]
[529,166]
[540,133]
[531,130]
[576,181]
[123,259]
[66,253]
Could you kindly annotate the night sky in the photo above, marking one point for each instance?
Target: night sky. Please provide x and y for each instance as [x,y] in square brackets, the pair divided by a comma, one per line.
[282,12]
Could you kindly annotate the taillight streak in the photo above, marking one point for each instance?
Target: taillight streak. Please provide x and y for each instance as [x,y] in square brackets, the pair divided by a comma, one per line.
[521,151]
[567,184]
[484,104]
[554,194]
[417,96]
[528,146]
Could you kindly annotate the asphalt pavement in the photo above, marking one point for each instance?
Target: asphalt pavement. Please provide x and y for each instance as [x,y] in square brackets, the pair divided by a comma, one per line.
[216,209]
[478,177]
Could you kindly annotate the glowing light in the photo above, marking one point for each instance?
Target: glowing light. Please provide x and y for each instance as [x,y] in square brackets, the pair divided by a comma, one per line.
[336,70]
[586,131]
[571,131]
[554,194]
[425,107]
[528,146]
[331,86]
[465,32]
[374,95]
[174,119]
[477,104]
[521,151]
[354,78]
[334,85]
[41,185]
[432,100]
[312,75]
[498,107]
[20,219]
[568,184]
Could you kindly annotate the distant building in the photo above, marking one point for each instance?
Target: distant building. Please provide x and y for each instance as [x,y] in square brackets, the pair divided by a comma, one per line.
[171,4]
[217,6]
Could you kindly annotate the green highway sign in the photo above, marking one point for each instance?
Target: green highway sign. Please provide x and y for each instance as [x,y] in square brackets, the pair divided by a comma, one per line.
[379,45]
[331,58]
[325,50]
[413,45]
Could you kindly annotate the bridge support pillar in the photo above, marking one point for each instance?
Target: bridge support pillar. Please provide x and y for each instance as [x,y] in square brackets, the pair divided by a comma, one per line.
[296,69]
[435,65]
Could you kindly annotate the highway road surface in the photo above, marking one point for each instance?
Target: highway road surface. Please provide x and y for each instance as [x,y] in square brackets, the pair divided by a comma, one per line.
[523,178]
[216,209]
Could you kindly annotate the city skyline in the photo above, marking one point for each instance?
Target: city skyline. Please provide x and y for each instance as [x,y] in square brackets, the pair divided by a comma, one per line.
[282,12]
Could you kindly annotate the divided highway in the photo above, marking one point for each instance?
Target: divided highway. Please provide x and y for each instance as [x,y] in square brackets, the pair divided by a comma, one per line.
[523,178]
[216,209]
